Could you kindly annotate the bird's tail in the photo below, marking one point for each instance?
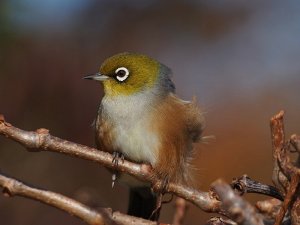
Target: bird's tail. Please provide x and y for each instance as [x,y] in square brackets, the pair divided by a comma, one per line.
[142,203]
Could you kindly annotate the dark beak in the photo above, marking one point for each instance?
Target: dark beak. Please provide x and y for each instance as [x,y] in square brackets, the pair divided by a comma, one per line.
[97,76]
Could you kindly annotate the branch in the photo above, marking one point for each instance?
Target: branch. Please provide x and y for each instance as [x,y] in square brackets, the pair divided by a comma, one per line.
[239,210]
[220,221]
[286,174]
[295,212]
[269,208]
[12,187]
[278,138]
[245,184]
[41,140]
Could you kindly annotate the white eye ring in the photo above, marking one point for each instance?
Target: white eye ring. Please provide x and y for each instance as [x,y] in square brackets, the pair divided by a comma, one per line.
[122,73]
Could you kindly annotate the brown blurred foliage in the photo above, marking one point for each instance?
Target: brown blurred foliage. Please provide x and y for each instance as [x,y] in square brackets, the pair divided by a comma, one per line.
[241,60]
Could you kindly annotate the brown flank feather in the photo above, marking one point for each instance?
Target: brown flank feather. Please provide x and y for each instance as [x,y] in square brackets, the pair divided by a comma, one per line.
[104,134]
[179,124]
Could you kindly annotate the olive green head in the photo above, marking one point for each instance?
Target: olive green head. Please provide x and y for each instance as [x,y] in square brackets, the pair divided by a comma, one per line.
[128,73]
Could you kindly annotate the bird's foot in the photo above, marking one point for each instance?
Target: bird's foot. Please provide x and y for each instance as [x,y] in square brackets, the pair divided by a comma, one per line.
[116,157]
[155,213]
[164,185]
[160,201]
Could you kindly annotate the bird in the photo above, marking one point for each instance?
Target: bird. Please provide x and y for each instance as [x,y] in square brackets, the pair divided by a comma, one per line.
[141,119]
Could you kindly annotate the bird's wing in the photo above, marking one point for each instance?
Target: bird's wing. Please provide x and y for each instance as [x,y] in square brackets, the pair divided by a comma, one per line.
[194,120]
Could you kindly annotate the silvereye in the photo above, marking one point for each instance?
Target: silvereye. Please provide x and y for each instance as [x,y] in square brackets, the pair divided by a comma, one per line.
[141,117]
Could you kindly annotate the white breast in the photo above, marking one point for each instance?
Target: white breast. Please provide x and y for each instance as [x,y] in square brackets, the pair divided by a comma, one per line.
[131,120]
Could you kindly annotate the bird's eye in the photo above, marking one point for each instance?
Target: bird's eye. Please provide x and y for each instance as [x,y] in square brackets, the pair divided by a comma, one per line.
[122,74]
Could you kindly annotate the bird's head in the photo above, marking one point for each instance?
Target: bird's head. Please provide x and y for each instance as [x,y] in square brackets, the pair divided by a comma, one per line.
[128,74]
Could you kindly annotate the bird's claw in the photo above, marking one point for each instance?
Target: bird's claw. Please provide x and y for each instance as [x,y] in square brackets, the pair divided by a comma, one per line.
[113,178]
[163,189]
[164,185]
[116,157]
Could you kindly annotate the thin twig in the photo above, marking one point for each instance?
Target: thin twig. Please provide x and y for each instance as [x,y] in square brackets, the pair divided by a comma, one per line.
[295,212]
[245,184]
[295,141]
[288,199]
[220,221]
[180,211]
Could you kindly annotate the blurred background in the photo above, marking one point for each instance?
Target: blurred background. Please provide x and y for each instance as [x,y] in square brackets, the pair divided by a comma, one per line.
[240,58]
